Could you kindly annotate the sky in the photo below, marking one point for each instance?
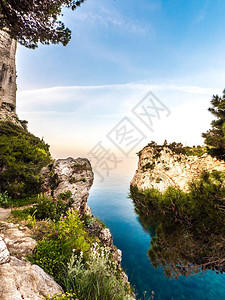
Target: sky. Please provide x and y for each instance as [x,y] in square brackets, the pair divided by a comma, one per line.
[84,95]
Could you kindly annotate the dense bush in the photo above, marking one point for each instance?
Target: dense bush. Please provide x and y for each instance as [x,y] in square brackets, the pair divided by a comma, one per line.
[54,251]
[49,208]
[5,199]
[52,256]
[22,156]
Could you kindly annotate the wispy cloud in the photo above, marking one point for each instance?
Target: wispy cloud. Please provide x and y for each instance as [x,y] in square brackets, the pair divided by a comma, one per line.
[108,18]
[73,118]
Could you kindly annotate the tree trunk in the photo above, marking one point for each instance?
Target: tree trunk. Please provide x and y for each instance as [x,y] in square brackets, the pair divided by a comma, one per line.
[7,71]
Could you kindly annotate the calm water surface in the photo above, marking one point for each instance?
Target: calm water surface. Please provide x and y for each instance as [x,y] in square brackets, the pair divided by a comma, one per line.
[109,201]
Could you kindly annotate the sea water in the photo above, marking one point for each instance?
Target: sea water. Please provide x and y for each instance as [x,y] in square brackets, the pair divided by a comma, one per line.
[109,202]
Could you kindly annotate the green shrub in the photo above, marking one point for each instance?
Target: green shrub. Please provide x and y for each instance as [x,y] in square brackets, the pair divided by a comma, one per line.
[48,208]
[22,156]
[5,199]
[54,251]
[21,214]
[70,230]
[52,256]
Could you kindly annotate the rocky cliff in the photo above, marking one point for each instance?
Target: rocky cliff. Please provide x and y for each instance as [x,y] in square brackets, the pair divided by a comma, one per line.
[74,175]
[160,168]
[7,70]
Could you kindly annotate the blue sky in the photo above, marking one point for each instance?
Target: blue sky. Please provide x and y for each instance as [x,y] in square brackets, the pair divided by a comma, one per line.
[120,50]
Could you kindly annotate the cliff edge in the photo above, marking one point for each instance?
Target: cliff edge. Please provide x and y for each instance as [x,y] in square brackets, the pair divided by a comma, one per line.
[160,167]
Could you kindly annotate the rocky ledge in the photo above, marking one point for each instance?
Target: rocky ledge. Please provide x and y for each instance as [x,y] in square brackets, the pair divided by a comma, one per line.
[161,168]
[18,278]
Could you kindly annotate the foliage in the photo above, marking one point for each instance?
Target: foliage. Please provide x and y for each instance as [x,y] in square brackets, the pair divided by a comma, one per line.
[48,208]
[51,255]
[5,199]
[96,278]
[215,137]
[177,148]
[54,251]
[33,21]
[189,227]
[62,296]
[22,156]
[21,214]
[65,246]
[69,230]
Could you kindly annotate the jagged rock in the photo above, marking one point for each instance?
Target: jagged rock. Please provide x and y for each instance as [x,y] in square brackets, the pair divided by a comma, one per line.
[70,174]
[117,256]
[4,253]
[18,239]
[7,113]
[166,169]
[7,69]
[106,237]
[21,280]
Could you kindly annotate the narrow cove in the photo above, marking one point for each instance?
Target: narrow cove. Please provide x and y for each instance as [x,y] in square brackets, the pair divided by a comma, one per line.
[110,202]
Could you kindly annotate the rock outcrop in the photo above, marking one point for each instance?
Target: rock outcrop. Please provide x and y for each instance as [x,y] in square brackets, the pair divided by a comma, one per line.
[21,280]
[4,253]
[7,70]
[7,113]
[18,278]
[70,174]
[164,168]
[17,239]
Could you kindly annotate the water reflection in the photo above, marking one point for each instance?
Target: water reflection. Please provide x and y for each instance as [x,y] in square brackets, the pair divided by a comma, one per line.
[187,229]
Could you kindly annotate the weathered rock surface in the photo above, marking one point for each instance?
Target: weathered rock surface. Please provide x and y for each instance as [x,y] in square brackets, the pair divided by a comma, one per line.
[73,175]
[165,168]
[4,253]
[7,69]
[7,113]
[18,239]
[4,213]
[21,280]
[106,237]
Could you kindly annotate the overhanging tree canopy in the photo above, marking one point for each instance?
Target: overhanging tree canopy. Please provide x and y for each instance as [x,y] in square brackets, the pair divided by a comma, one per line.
[33,21]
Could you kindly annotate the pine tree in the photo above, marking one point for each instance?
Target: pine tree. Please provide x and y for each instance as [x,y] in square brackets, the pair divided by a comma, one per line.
[33,21]
[215,137]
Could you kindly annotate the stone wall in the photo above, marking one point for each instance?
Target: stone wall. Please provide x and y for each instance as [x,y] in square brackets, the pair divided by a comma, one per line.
[7,70]
[164,168]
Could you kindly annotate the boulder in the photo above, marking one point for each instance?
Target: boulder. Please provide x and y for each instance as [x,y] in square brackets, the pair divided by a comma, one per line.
[21,280]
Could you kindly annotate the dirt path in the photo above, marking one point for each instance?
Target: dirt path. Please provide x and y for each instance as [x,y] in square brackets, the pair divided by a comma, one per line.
[4,213]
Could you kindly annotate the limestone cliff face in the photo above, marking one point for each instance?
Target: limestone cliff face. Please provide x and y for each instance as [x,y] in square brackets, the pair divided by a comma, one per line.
[164,168]
[70,174]
[7,69]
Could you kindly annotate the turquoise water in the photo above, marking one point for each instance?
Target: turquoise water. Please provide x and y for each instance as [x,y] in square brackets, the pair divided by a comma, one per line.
[109,201]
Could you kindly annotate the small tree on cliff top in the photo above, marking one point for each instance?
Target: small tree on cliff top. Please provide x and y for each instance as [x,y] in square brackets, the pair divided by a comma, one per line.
[215,137]
[33,21]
